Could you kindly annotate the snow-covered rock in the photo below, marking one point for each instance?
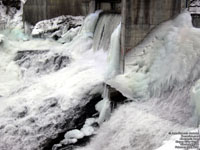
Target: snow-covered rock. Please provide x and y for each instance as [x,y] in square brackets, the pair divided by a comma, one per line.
[38,62]
[88,130]
[74,134]
[56,27]
[69,35]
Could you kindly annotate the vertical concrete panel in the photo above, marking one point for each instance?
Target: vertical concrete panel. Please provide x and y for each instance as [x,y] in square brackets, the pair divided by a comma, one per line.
[34,10]
[143,15]
[37,10]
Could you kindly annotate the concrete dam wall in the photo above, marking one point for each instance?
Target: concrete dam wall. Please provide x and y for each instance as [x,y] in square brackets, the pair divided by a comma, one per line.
[37,10]
[141,16]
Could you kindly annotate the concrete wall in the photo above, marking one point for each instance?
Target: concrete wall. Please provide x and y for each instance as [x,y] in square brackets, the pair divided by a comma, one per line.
[36,10]
[141,16]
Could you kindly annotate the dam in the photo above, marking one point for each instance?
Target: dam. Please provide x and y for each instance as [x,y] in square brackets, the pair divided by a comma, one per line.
[65,88]
[139,17]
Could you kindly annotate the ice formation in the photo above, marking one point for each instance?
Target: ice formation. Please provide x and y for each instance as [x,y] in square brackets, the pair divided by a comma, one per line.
[161,77]
[114,54]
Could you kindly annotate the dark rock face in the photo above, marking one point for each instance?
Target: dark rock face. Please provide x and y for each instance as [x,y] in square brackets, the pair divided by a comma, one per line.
[37,10]
[196,20]
[39,127]
[40,61]
[12,3]
[75,120]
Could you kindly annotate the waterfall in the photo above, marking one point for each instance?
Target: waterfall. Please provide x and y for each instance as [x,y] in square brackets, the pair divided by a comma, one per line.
[112,70]
[114,54]
[105,108]
[106,24]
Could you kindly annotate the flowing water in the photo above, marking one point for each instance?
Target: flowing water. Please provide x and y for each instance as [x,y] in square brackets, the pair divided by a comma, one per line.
[106,24]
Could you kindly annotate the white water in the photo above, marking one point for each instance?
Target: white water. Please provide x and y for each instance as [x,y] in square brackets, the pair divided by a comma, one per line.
[26,120]
[106,24]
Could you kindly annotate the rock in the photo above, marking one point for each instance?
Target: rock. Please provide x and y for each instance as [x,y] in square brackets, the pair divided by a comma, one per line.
[40,61]
[12,3]
[90,121]
[74,134]
[56,27]
[87,130]
[69,35]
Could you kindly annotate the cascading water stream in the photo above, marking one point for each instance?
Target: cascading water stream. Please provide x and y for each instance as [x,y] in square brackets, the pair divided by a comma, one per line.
[106,25]
[112,70]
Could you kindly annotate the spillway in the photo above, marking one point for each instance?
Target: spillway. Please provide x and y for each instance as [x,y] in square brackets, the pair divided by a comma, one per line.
[106,24]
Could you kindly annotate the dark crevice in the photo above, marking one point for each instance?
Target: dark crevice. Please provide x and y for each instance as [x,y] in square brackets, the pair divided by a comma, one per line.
[76,121]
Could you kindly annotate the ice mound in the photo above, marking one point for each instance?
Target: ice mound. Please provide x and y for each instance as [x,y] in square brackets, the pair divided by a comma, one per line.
[167,59]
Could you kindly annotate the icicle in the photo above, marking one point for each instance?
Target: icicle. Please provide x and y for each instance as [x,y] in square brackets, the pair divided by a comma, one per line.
[114,54]
[104,106]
